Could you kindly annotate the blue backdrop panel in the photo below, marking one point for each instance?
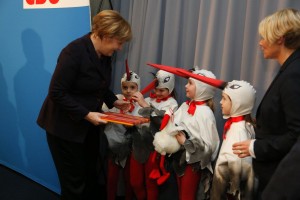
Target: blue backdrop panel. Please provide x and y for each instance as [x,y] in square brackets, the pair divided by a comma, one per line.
[31,40]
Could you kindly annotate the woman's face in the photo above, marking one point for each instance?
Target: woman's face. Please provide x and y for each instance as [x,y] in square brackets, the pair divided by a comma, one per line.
[107,46]
[128,89]
[190,89]
[270,51]
[225,104]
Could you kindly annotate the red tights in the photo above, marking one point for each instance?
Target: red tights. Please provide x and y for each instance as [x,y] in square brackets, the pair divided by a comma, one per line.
[188,184]
[144,187]
[113,178]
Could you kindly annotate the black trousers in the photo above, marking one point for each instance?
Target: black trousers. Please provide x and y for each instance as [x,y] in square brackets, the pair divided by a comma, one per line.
[76,165]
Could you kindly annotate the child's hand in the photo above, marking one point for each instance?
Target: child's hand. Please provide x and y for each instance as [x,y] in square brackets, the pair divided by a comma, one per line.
[180,137]
[138,97]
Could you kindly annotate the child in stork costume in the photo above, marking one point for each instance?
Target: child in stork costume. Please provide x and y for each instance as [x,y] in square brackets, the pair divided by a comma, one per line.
[143,160]
[120,140]
[233,176]
[197,135]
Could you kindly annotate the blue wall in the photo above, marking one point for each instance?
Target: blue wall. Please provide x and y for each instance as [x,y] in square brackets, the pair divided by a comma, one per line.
[30,41]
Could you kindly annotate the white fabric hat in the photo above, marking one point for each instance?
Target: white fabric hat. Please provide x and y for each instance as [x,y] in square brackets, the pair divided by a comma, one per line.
[133,78]
[242,96]
[165,80]
[203,90]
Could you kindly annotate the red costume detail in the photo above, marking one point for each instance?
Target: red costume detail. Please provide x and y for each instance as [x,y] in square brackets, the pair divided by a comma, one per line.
[187,74]
[229,122]
[193,106]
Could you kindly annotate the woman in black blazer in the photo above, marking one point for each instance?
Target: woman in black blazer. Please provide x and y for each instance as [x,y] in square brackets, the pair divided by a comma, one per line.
[71,111]
[278,115]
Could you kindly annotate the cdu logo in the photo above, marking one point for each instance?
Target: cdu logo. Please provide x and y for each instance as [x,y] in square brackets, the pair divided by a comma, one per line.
[41,4]
[32,2]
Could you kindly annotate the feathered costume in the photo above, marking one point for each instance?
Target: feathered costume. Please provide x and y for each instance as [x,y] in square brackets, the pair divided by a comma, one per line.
[200,127]
[142,144]
[234,175]
[119,139]
[141,161]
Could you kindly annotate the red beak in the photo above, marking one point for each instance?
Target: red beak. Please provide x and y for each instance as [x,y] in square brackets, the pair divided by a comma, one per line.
[187,74]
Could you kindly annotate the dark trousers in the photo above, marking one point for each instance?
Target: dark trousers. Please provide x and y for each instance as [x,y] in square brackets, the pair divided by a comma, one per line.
[169,190]
[76,165]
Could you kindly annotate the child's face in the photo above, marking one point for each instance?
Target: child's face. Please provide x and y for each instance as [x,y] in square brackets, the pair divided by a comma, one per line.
[190,89]
[161,93]
[226,104]
[128,89]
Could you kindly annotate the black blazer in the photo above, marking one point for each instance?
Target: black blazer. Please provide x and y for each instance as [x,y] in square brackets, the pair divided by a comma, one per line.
[80,84]
[278,119]
[284,184]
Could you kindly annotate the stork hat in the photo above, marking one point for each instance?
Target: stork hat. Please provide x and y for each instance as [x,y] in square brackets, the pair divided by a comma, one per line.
[165,80]
[132,77]
[203,91]
[242,96]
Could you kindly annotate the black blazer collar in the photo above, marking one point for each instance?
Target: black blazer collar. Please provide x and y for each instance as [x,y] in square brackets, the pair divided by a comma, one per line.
[291,58]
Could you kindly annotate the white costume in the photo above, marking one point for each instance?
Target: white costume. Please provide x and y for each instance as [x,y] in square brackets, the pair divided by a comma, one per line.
[202,137]
[201,129]
[234,175]
[165,80]
[118,140]
[143,143]
[165,141]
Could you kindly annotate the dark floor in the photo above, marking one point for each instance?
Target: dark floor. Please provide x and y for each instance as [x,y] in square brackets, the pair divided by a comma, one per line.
[15,186]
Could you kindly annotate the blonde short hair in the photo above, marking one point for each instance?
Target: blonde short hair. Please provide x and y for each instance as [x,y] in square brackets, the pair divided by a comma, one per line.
[283,23]
[110,23]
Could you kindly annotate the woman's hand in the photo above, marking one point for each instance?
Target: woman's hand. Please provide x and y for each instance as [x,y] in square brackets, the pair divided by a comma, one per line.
[95,118]
[241,149]
[122,105]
